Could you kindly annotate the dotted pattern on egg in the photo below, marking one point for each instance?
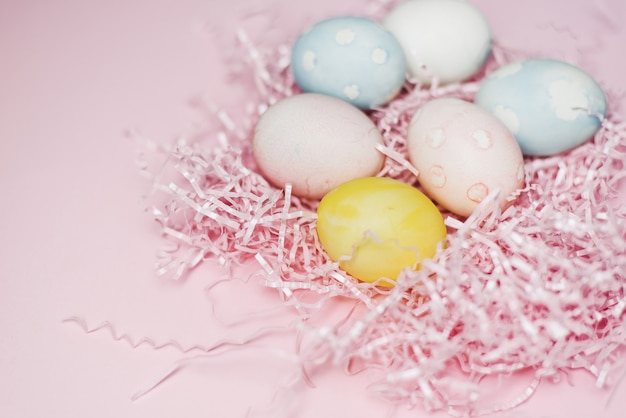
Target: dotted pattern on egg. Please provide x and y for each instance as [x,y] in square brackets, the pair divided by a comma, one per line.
[550,106]
[482,140]
[463,153]
[351,58]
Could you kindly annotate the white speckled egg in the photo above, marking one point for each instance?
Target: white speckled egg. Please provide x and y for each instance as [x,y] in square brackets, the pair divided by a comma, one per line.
[463,153]
[351,58]
[447,39]
[550,106]
[315,142]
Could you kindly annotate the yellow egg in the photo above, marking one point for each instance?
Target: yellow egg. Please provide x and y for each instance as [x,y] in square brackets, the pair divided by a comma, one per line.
[375,227]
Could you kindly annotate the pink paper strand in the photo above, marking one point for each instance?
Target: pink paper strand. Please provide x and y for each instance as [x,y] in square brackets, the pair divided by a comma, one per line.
[135,342]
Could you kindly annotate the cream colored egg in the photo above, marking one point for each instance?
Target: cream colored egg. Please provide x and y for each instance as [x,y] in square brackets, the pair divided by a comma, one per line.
[315,143]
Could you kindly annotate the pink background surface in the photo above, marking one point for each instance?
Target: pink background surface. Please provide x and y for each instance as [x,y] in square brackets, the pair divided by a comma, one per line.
[76,240]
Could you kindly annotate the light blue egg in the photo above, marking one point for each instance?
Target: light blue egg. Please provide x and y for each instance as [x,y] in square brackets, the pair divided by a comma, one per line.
[351,58]
[550,106]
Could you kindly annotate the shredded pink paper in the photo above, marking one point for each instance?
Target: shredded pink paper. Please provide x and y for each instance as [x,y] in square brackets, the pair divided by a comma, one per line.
[538,287]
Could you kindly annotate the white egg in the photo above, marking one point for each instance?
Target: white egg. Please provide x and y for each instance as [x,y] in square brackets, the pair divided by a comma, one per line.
[446,39]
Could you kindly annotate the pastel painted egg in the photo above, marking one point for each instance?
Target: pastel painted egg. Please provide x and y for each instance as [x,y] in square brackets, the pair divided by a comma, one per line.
[447,39]
[375,227]
[550,106]
[463,153]
[351,58]
[315,143]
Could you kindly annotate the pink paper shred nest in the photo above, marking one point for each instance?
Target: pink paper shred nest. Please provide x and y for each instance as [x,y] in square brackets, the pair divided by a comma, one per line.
[540,286]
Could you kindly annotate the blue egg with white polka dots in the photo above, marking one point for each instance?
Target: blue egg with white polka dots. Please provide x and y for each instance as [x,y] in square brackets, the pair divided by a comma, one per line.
[550,106]
[351,58]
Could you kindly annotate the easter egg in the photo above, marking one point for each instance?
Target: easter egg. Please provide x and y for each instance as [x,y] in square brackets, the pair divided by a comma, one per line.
[550,106]
[315,142]
[463,153]
[351,58]
[375,227]
[446,39]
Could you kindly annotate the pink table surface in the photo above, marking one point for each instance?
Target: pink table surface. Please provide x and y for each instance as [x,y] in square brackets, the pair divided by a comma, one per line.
[77,242]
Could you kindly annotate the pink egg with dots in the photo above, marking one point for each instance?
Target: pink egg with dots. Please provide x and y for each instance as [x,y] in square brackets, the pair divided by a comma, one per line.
[463,153]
